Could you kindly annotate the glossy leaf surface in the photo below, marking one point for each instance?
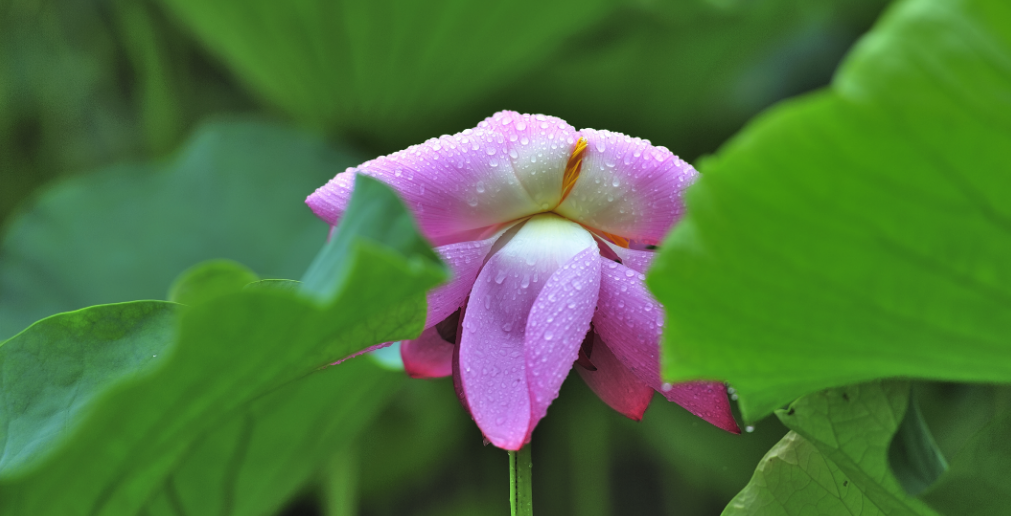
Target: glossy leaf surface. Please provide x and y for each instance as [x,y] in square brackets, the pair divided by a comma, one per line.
[860,232]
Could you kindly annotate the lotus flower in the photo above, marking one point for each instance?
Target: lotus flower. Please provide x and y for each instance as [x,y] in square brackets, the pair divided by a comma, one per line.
[548,232]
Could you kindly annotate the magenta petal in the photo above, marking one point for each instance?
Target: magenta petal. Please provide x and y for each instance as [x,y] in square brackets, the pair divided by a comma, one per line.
[428,356]
[614,383]
[707,400]
[492,362]
[628,187]
[508,167]
[558,322]
[630,321]
[634,259]
[465,260]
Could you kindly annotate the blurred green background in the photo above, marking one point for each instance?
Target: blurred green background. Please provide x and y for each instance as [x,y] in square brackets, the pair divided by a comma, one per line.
[140,137]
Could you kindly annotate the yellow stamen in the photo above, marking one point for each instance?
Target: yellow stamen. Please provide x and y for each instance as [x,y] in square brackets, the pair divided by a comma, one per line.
[617,240]
[573,167]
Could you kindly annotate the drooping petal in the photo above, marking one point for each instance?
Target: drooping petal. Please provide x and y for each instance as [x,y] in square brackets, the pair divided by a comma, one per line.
[465,260]
[558,321]
[428,356]
[508,167]
[628,187]
[614,383]
[630,321]
[707,400]
[491,358]
[635,259]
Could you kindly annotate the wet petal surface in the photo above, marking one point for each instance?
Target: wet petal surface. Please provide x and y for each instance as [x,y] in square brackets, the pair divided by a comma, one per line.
[630,321]
[508,167]
[465,260]
[614,383]
[628,187]
[558,322]
[492,363]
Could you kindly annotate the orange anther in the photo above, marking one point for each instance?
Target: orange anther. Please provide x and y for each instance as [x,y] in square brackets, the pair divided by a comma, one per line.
[573,167]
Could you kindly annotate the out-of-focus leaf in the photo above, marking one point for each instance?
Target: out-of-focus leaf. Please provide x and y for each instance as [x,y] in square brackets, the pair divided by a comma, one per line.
[235,191]
[261,456]
[381,67]
[208,280]
[411,441]
[88,83]
[977,482]
[835,459]
[915,459]
[53,370]
[861,232]
[230,352]
[688,74]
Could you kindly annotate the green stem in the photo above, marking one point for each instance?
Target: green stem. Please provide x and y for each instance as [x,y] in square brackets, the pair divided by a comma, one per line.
[520,472]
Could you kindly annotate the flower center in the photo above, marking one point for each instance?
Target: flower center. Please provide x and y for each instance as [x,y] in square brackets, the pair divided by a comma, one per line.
[572,169]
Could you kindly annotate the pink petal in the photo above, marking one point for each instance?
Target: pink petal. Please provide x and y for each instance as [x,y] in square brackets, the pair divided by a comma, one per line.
[630,321]
[634,259]
[492,362]
[508,167]
[428,356]
[614,383]
[465,260]
[707,400]
[628,187]
[559,320]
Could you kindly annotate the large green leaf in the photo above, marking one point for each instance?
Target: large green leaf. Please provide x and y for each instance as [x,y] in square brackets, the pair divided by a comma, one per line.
[231,351]
[381,67]
[263,455]
[861,232]
[235,191]
[835,459]
[53,370]
[208,280]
